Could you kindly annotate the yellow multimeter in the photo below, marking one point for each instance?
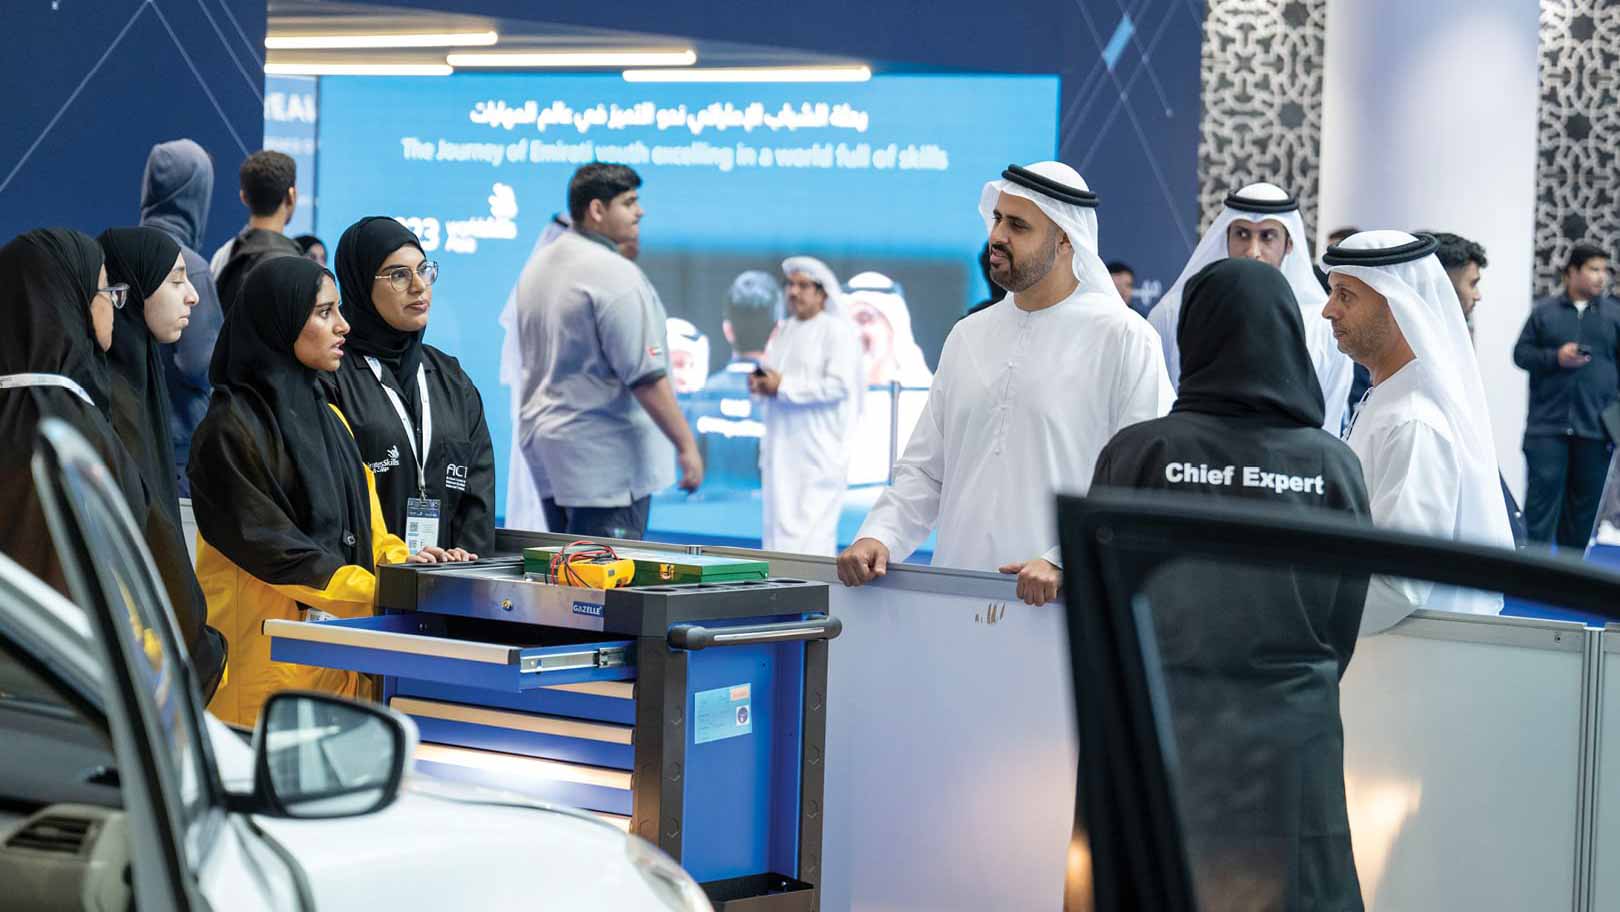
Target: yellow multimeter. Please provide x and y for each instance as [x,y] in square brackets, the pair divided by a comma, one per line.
[599,572]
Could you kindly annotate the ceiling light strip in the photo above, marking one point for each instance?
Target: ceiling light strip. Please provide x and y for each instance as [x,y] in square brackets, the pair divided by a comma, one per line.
[753,74]
[358,69]
[294,42]
[574,59]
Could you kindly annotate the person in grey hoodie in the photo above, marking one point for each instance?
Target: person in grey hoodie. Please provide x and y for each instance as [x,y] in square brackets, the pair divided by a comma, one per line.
[175,194]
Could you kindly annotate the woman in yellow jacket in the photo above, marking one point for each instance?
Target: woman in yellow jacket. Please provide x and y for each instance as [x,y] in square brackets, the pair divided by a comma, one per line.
[287,515]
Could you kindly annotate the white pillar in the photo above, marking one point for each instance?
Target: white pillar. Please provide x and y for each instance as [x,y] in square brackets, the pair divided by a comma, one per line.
[1429,122]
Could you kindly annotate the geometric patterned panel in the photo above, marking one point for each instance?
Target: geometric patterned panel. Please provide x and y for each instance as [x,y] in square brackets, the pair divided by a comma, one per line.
[1262,90]
[1577,171]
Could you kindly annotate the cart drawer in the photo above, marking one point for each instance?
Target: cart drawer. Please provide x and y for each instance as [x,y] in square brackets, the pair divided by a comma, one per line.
[453,650]
[552,737]
[600,701]
[569,784]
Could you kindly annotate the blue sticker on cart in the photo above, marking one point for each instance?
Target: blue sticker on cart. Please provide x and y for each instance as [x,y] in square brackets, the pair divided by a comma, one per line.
[722,713]
[590,608]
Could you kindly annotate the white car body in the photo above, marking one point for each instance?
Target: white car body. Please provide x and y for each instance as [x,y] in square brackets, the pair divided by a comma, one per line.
[440,845]
[201,824]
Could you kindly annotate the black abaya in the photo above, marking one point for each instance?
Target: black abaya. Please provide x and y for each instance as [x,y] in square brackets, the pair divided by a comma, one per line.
[1253,654]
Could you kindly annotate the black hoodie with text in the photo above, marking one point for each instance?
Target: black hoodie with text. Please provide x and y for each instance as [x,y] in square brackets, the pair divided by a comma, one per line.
[1253,654]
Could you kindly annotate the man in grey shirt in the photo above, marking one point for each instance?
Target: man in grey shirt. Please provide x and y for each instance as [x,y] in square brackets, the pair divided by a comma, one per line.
[598,416]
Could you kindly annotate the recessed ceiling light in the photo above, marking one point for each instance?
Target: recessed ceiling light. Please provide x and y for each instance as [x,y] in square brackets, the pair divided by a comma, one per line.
[409,40]
[679,57]
[358,69]
[753,74]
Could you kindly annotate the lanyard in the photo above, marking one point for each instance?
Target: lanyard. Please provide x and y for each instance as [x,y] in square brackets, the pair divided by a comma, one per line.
[17,381]
[1360,403]
[419,454]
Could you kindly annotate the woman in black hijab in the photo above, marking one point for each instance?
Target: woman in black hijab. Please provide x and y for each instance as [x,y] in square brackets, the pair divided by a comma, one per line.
[50,289]
[447,498]
[287,513]
[148,261]
[60,315]
[1253,655]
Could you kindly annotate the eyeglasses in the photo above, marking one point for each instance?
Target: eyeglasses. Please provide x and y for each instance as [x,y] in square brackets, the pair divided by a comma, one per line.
[118,294]
[400,276]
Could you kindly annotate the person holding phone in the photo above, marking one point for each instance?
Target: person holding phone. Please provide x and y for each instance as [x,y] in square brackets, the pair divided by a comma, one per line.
[725,418]
[1568,346]
[810,387]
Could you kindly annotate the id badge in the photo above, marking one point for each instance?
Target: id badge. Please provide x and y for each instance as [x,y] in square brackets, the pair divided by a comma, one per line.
[421,524]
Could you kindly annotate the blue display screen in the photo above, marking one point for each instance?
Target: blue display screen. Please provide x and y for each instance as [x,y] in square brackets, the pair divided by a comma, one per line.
[880,176]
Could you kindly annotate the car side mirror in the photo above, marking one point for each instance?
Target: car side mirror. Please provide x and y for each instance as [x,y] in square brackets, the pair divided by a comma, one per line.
[317,755]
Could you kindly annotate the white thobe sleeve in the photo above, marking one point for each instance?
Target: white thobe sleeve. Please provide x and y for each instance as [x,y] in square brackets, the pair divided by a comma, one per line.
[1417,483]
[837,375]
[906,511]
[1142,392]
[1162,318]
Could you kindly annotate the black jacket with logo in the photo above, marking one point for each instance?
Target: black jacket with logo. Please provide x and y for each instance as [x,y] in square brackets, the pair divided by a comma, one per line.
[1252,653]
[461,461]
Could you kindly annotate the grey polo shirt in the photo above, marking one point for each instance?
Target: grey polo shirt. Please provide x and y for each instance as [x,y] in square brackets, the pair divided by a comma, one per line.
[591,328]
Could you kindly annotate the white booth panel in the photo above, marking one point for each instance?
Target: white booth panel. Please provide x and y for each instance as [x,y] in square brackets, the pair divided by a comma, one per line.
[1606,867]
[1462,741]
[950,751]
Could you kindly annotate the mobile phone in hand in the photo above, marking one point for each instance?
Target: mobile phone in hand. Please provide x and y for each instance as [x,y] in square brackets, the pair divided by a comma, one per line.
[1584,351]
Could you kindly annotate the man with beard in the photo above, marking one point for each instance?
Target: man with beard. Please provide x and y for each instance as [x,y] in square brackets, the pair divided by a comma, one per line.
[1262,222]
[809,386]
[1026,394]
[1424,433]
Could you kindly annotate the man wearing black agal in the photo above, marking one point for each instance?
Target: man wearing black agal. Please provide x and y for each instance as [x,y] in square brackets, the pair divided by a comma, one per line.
[1569,347]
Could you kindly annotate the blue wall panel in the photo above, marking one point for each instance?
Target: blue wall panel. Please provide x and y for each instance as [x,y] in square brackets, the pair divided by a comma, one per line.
[92,85]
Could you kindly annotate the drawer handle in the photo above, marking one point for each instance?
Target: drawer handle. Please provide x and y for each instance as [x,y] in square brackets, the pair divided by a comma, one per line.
[607,657]
[695,636]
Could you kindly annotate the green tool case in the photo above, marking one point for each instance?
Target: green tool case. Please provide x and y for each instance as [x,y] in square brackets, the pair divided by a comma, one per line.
[659,567]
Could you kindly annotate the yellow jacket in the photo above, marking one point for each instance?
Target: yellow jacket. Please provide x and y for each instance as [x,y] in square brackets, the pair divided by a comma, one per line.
[239,604]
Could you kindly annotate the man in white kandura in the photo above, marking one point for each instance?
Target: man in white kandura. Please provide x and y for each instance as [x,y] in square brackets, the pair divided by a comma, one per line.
[1423,432]
[811,381]
[1026,394]
[1262,222]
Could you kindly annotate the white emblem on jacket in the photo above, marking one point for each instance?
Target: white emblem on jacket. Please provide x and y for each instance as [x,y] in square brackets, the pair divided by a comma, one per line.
[380,468]
[455,477]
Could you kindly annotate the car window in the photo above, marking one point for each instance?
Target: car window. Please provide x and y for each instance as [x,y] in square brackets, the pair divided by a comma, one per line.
[53,753]
[137,601]
[1251,657]
[1329,732]
[112,573]
[1604,546]
[20,685]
